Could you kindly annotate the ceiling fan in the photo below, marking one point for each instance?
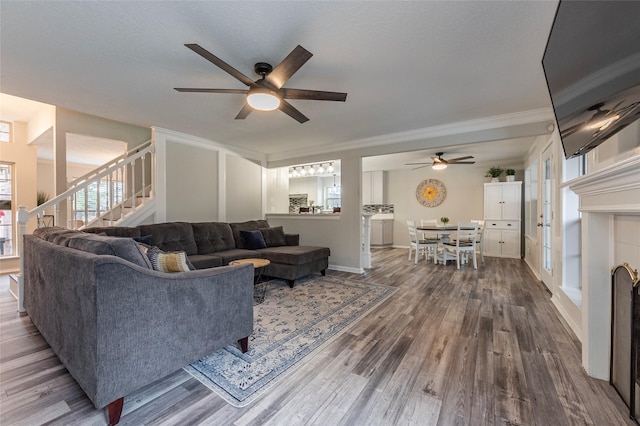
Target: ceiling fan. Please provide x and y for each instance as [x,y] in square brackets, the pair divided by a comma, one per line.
[440,163]
[267,93]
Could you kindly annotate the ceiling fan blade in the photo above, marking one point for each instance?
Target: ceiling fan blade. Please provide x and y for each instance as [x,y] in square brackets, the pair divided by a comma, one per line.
[463,162]
[416,164]
[289,65]
[244,112]
[316,95]
[455,160]
[288,109]
[421,167]
[186,89]
[221,64]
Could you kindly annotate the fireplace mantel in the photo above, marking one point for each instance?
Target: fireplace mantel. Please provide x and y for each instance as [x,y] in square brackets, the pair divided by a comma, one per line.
[614,190]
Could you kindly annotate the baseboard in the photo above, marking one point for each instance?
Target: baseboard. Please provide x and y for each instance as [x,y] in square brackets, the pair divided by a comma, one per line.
[535,273]
[566,315]
[346,269]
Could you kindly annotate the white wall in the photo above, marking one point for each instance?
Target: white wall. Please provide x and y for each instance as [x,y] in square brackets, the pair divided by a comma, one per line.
[192,183]
[464,201]
[243,189]
[277,190]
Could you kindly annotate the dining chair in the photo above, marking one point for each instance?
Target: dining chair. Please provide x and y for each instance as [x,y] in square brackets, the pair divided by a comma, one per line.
[464,243]
[479,244]
[427,246]
[429,234]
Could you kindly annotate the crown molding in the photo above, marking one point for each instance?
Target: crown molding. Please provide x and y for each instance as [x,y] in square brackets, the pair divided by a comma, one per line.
[203,143]
[487,123]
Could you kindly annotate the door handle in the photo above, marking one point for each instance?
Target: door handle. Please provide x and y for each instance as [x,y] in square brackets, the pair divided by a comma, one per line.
[539,224]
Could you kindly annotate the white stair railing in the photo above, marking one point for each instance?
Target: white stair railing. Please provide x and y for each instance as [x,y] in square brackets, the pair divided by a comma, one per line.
[105,195]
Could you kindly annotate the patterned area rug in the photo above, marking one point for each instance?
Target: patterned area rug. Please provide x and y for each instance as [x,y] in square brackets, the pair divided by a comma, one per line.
[291,325]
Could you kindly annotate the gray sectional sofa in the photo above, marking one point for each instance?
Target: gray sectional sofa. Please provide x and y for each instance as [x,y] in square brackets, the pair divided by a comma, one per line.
[212,244]
[118,325]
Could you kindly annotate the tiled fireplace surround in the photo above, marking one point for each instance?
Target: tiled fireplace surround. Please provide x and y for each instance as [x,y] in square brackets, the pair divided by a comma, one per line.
[610,206]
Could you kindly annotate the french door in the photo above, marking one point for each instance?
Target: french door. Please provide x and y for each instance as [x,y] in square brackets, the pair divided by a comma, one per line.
[546,218]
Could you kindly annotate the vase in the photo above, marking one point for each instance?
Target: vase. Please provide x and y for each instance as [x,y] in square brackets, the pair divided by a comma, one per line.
[510,178]
[495,179]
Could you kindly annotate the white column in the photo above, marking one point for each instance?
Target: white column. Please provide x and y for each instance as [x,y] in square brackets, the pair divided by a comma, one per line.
[597,232]
[366,244]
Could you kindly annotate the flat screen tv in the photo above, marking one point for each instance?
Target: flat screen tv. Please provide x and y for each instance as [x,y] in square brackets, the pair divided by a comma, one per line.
[592,67]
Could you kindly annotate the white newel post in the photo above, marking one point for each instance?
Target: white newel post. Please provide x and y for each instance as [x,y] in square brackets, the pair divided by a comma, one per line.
[366,245]
[23,217]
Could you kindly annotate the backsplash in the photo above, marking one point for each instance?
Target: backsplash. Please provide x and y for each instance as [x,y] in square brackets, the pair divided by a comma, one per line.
[377,208]
[296,201]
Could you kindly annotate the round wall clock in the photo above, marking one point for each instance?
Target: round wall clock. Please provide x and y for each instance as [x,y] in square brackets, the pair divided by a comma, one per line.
[431,192]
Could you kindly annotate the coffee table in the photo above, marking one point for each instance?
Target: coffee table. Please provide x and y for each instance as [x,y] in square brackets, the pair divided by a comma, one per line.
[260,288]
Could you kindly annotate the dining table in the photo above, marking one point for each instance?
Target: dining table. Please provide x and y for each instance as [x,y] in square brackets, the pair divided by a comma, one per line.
[443,230]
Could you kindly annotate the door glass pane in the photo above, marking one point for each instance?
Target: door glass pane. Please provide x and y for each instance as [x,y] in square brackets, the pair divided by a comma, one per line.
[546,216]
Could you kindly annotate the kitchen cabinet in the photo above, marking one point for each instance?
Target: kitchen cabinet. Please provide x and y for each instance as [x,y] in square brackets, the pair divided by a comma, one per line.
[381,232]
[373,187]
[502,236]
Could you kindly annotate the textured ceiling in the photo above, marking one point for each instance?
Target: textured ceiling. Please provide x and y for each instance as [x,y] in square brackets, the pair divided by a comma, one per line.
[404,65]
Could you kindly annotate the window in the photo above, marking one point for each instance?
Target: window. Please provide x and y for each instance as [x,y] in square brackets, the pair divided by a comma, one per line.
[333,197]
[7,229]
[531,200]
[5,131]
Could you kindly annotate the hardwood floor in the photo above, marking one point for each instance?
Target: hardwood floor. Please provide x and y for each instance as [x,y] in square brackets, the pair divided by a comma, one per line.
[481,347]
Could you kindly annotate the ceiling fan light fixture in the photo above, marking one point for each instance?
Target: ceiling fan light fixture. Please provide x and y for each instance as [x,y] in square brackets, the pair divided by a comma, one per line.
[439,166]
[263,99]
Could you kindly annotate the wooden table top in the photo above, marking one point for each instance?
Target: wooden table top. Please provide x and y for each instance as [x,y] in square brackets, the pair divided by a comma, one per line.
[257,263]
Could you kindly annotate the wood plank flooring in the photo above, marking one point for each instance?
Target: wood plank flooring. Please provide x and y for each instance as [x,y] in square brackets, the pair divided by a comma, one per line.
[450,347]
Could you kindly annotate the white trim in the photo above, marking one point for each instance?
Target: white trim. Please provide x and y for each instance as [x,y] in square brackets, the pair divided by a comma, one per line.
[346,269]
[573,323]
[531,268]
[203,143]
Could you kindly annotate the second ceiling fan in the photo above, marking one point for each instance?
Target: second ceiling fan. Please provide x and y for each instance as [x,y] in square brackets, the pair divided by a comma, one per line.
[440,163]
[267,93]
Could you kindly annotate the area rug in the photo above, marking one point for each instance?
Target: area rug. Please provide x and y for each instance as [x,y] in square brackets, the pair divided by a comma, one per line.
[290,326]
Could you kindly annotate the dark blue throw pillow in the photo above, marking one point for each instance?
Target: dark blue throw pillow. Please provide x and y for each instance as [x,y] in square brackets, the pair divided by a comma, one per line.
[144,240]
[253,239]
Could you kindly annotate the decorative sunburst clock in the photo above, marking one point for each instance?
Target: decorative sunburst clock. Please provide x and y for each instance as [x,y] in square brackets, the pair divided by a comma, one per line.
[431,192]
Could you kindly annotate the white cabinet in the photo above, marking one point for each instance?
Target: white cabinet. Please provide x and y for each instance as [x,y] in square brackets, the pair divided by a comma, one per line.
[373,187]
[502,200]
[502,228]
[381,232]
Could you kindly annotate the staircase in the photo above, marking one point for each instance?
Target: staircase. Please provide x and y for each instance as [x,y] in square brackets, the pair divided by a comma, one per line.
[118,193]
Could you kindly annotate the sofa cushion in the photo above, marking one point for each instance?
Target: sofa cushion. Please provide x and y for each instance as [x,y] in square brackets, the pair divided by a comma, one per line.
[124,248]
[171,236]
[204,261]
[115,231]
[211,237]
[250,225]
[253,239]
[143,240]
[235,254]
[44,232]
[274,237]
[61,238]
[294,255]
[169,262]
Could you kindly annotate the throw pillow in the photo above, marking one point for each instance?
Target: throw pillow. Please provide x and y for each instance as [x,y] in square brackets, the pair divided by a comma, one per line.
[253,239]
[273,237]
[144,240]
[169,262]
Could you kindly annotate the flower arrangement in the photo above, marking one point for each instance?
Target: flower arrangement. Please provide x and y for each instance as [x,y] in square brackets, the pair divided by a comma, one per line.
[444,220]
[42,197]
[510,172]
